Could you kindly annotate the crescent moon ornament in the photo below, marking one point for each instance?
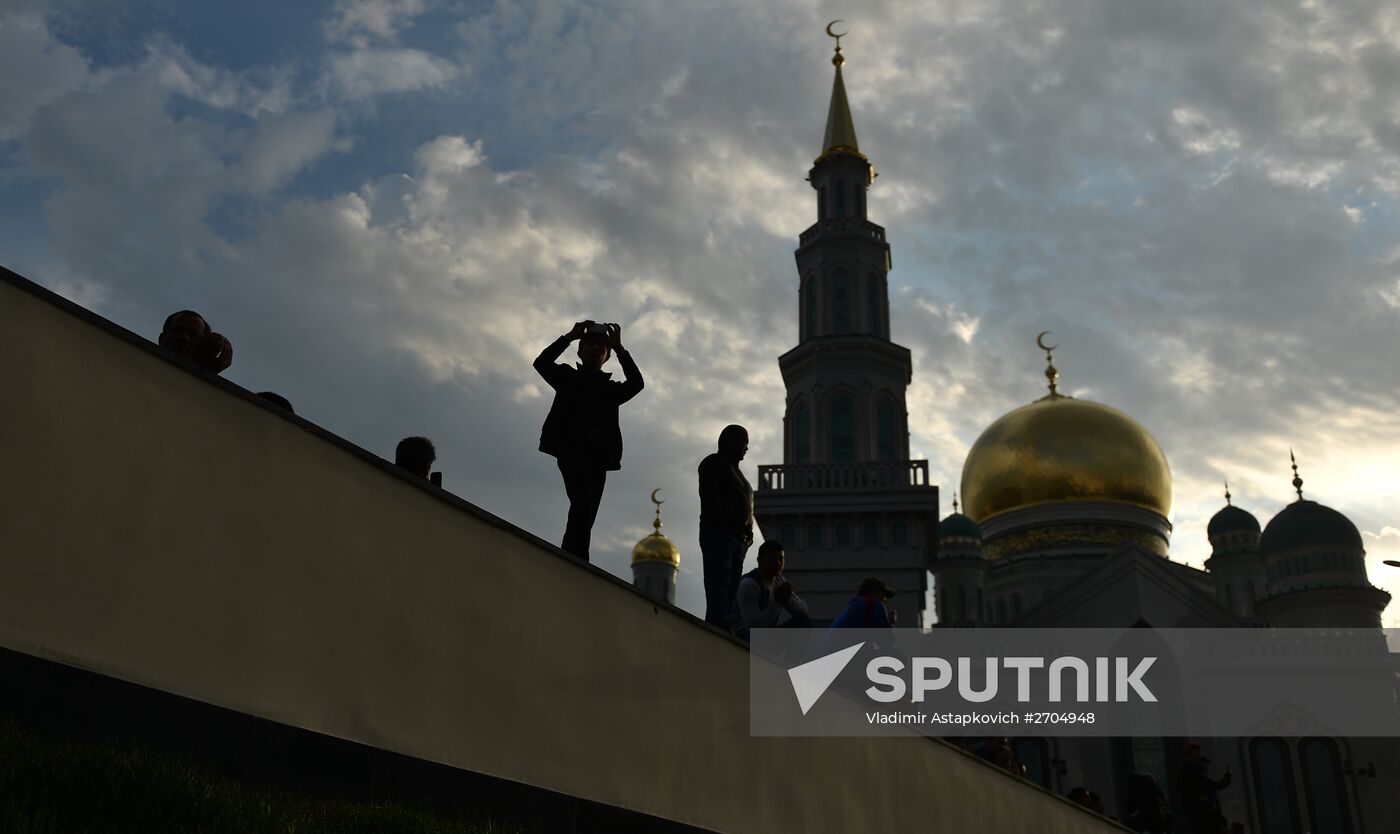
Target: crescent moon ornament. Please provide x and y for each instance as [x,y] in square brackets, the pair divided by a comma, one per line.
[1040,341]
[834,34]
[654,499]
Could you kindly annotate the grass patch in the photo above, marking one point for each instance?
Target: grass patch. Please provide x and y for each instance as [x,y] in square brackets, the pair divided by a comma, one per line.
[50,786]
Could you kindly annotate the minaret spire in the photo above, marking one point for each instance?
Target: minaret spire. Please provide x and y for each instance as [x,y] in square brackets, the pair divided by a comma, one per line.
[1297,479]
[1052,374]
[840,127]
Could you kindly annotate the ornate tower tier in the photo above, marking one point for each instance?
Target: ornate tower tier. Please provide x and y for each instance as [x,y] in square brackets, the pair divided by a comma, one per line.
[847,502]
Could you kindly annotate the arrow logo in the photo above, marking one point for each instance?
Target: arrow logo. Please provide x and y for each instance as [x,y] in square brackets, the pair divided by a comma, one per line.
[814,677]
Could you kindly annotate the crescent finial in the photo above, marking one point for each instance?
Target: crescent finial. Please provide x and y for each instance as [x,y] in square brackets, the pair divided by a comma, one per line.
[656,523]
[838,37]
[1052,374]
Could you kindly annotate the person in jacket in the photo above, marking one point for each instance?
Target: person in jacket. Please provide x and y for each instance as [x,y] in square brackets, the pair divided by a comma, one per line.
[581,430]
[765,599]
[726,523]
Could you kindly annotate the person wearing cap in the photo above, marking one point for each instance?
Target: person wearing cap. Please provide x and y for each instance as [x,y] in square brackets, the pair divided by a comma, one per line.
[582,430]
[866,610]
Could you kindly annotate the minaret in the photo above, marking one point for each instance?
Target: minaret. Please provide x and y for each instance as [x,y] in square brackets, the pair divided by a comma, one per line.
[847,501]
[656,561]
[845,379]
[1234,563]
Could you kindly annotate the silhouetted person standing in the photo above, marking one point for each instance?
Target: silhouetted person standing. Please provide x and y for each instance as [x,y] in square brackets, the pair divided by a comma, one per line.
[416,454]
[582,430]
[1199,803]
[726,523]
[187,334]
[1146,809]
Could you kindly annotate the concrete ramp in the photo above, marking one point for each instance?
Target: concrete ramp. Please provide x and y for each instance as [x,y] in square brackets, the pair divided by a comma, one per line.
[164,527]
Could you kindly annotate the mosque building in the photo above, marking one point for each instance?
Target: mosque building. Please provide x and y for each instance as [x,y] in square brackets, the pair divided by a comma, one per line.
[1061,520]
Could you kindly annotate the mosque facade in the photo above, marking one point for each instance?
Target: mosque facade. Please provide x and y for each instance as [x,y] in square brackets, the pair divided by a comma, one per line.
[1063,522]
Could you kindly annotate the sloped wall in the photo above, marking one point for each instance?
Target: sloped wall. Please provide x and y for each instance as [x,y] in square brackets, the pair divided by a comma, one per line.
[166,528]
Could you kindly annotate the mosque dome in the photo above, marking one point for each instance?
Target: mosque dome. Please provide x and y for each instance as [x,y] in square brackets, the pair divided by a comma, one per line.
[655,546]
[958,526]
[1232,519]
[1060,449]
[1309,524]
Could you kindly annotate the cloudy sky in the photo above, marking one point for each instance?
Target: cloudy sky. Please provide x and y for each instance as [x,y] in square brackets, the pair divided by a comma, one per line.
[390,206]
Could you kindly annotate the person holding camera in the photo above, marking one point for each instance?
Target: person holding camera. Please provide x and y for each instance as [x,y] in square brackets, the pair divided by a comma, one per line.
[581,430]
[188,335]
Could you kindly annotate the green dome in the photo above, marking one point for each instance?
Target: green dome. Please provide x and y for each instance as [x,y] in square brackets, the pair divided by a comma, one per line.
[1232,519]
[1309,524]
[959,526]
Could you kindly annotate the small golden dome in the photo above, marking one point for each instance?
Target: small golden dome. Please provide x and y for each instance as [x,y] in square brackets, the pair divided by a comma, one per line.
[655,547]
[1063,449]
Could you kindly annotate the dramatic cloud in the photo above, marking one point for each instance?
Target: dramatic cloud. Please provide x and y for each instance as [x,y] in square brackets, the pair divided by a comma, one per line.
[1199,199]
[367,72]
[33,69]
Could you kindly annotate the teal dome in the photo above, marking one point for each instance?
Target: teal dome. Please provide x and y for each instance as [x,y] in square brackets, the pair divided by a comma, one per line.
[959,526]
[1309,524]
[1232,519]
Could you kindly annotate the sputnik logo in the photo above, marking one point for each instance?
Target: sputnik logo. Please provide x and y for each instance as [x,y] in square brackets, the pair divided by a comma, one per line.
[813,678]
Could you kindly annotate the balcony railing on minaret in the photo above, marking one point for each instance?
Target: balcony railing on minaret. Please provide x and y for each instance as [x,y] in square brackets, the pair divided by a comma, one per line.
[838,226]
[819,477]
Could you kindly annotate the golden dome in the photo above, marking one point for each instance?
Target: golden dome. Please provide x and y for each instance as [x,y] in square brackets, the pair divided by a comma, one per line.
[1063,449]
[655,547]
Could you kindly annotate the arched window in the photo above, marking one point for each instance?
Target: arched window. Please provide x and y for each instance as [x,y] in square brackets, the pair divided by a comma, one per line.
[1230,597]
[843,429]
[1016,605]
[1322,778]
[801,435]
[843,533]
[872,305]
[884,430]
[1001,612]
[814,535]
[943,605]
[840,303]
[859,199]
[870,534]
[899,534]
[980,609]
[840,191]
[1273,773]
[809,301]
[962,602]
[788,536]
[821,203]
